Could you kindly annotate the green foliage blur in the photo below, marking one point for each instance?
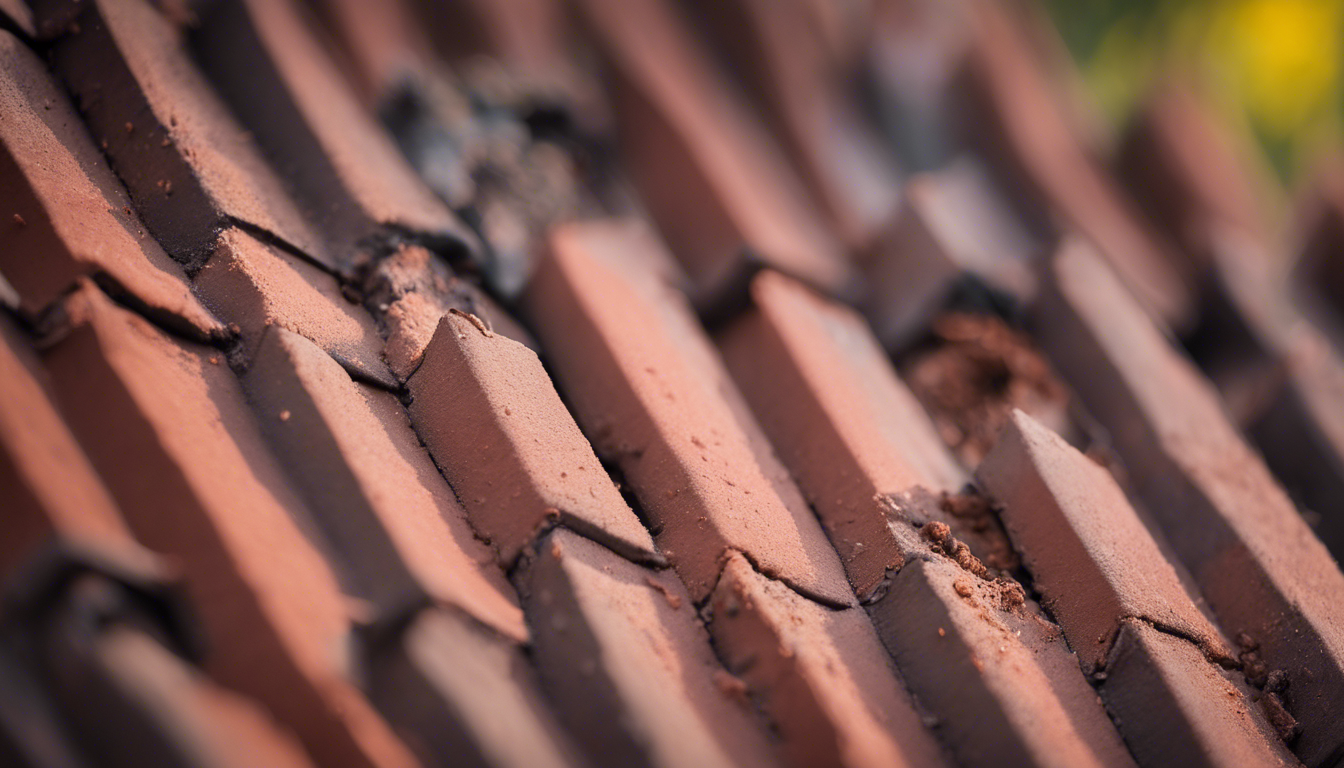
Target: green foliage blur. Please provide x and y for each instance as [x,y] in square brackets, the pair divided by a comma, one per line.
[1277,65]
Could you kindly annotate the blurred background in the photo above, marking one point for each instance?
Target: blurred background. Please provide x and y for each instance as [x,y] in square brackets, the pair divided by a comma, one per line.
[1272,66]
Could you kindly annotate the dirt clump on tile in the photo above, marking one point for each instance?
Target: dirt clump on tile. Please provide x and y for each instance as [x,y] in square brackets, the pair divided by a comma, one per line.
[971,375]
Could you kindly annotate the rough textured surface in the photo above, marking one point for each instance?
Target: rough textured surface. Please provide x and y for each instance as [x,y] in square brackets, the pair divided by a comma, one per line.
[821,675]
[621,649]
[843,423]
[1256,561]
[1088,553]
[189,166]
[710,176]
[313,588]
[380,499]
[66,214]
[410,290]
[653,394]
[255,286]
[1178,709]
[169,432]
[492,419]
[997,676]
[974,371]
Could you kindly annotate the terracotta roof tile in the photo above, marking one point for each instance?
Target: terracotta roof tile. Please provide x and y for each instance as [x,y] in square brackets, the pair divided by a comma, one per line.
[66,214]
[652,392]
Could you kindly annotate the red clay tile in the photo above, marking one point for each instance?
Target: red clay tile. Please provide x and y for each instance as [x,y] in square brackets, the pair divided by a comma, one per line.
[190,168]
[491,418]
[1102,576]
[1178,709]
[622,652]
[374,489]
[52,493]
[1010,107]
[167,427]
[131,701]
[66,214]
[954,239]
[460,696]
[1005,687]
[345,172]
[1300,432]
[781,52]
[1187,169]
[822,675]
[654,395]
[16,16]
[410,290]
[1263,572]
[720,193]
[256,286]
[1088,552]
[1279,375]
[843,423]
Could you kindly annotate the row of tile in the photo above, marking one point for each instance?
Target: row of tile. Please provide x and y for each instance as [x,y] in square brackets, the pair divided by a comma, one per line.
[623,433]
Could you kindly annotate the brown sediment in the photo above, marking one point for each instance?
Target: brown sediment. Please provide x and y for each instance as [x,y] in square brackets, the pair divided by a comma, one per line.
[977,370]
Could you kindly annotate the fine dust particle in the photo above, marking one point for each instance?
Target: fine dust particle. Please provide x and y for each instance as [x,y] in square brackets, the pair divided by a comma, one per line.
[214,359]
[129,127]
[942,632]
[284,415]
[19,220]
[962,588]
[672,599]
